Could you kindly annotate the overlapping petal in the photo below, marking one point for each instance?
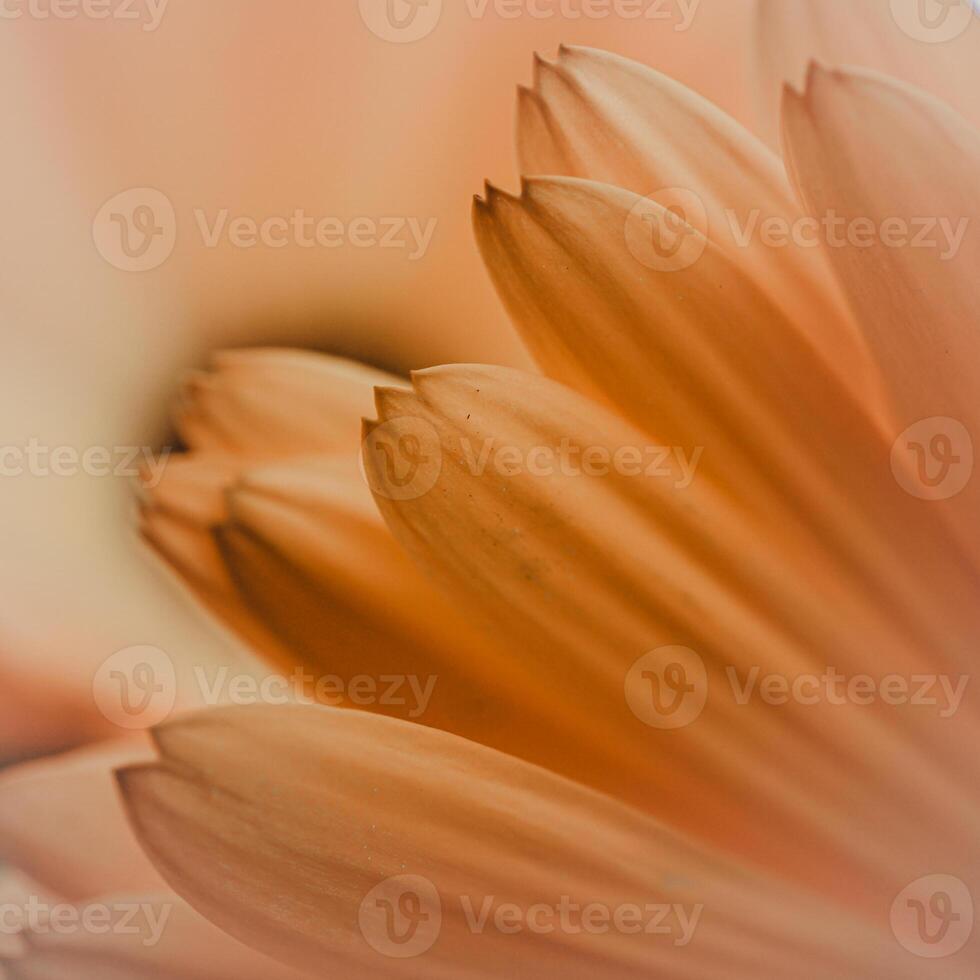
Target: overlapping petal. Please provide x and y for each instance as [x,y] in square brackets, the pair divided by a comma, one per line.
[305,865]
[584,573]
[931,44]
[917,298]
[600,117]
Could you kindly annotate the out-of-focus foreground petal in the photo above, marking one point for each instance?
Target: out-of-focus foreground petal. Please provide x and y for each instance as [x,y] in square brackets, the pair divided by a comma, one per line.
[311,833]
[92,906]
[935,45]
[917,297]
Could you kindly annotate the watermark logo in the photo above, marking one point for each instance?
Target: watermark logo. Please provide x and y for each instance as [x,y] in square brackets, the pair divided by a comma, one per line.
[401,21]
[933,459]
[667,688]
[667,231]
[933,21]
[402,458]
[136,688]
[933,917]
[401,918]
[136,230]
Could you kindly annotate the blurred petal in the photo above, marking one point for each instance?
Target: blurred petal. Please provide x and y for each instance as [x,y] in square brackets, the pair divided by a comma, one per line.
[279,823]
[917,301]
[156,937]
[61,823]
[892,36]
[39,716]
[277,403]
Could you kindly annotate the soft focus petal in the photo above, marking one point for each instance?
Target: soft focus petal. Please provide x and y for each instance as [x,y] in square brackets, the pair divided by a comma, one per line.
[139,937]
[60,822]
[279,823]
[39,716]
[931,44]
[917,299]
[277,402]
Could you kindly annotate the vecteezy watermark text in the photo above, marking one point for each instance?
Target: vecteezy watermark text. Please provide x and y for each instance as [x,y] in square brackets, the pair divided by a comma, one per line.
[670,687]
[136,230]
[404,457]
[40,918]
[835,688]
[409,691]
[148,13]
[403,916]
[307,231]
[941,234]
[407,21]
[36,459]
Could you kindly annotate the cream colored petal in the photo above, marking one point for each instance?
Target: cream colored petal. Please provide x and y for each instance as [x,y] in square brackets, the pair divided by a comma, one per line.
[277,402]
[280,824]
[138,937]
[61,824]
[598,116]
[917,41]
[917,296]
[583,575]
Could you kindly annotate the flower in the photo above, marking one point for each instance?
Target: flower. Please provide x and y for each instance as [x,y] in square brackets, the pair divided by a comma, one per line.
[786,833]
[302,110]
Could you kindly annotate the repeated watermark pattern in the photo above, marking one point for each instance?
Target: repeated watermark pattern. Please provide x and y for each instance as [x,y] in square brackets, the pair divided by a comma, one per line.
[405,459]
[413,692]
[39,917]
[146,14]
[670,687]
[669,231]
[137,688]
[403,917]
[35,458]
[407,21]
[136,231]
[933,917]
[933,459]
[934,21]
[941,234]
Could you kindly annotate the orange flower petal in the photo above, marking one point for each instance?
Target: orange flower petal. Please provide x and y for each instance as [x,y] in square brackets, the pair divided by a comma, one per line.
[598,116]
[277,402]
[936,49]
[582,575]
[286,825]
[916,294]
